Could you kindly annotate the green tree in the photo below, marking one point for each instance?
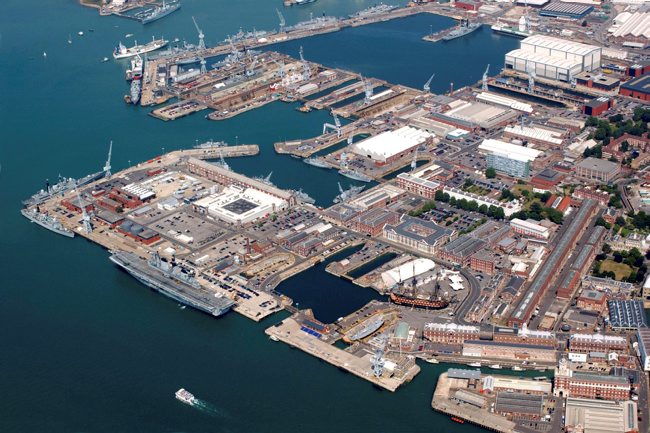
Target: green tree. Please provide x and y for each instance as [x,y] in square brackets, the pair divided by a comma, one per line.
[490,173]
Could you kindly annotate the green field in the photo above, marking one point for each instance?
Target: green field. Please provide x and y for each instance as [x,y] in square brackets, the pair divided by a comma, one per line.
[620,269]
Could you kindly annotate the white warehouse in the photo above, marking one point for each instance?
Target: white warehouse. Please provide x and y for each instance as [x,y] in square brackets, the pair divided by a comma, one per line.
[389,146]
[553,58]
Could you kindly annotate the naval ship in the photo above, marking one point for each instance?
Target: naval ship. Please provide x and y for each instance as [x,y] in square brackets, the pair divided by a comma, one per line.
[381,8]
[210,144]
[46,221]
[345,195]
[316,162]
[304,197]
[66,184]
[122,52]
[173,281]
[434,302]
[135,69]
[157,13]
[136,89]
[364,329]
[354,174]
[464,28]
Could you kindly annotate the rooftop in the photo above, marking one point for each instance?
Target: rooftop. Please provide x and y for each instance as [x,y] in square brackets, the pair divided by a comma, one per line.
[509,150]
[598,165]
[421,230]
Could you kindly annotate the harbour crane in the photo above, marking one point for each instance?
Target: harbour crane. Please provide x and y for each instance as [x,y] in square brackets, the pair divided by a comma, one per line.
[88,228]
[233,50]
[368,90]
[378,360]
[531,80]
[333,127]
[306,70]
[201,36]
[204,70]
[350,138]
[484,87]
[251,68]
[282,21]
[427,85]
[107,166]
[280,68]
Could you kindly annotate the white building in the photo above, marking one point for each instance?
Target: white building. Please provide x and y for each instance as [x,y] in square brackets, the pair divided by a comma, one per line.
[529,228]
[508,208]
[597,416]
[391,145]
[407,271]
[239,205]
[553,58]
[643,337]
[508,158]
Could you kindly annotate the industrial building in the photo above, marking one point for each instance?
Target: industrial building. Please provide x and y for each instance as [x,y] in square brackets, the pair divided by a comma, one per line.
[626,314]
[508,158]
[450,333]
[631,27]
[514,384]
[643,339]
[553,58]
[638,88]
[598,169]
[546,137]
[239,205]
[390,146]
[574,11]
[471,116]
[597,106]
[585,343]
[424,236]
[598,416]
[373,221]
[380,196]
[417,185]
[508,351]
[530,228]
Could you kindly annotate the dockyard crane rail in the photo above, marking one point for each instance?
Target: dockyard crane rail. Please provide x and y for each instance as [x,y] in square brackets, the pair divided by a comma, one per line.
[427,85]
[201,35]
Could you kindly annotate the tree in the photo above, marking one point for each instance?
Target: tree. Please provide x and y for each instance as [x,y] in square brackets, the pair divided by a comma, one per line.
[608,249]
[620,221]
[525,193]
[490,173]
[618,257]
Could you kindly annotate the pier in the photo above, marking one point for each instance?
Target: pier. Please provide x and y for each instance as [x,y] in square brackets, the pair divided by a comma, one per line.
[222,152]
[289,332]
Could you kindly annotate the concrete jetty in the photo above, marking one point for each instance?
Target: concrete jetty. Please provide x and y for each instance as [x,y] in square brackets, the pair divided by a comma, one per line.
[289,332]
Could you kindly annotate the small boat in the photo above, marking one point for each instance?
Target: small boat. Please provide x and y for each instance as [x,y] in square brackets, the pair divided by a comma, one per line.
[274,338]
[128,35]
[458,420]
[540,378]
[185,396]
[474,364]
[496,367]
[540,368]
[105,59]
[44,54]
[80,33]
[69,38]
[432,360]
[517,368]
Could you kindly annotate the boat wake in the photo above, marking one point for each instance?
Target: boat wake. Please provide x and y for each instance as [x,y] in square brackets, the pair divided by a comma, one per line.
[209,409]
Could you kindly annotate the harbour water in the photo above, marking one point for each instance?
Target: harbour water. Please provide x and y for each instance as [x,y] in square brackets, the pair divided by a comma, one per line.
[84,347]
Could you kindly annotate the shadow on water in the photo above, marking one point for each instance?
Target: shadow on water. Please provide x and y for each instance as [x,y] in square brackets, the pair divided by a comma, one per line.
[372,265]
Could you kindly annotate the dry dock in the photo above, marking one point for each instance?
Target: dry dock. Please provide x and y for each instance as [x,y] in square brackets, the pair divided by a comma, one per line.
[289,332]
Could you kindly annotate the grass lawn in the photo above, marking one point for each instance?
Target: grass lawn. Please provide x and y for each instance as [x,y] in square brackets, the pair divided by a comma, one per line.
[620,269]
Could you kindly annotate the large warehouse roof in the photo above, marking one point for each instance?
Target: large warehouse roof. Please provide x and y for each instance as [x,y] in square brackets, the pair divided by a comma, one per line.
[391,143]
[509,150]
[560,44]
[637,24]
[556,61]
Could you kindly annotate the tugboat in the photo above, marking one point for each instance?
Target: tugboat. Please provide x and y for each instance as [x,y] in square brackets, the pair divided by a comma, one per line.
[185,396]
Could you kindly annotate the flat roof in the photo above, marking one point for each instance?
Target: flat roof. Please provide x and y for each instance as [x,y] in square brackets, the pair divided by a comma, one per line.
[421,230]
[598,164]
[601,416]
[558,43]
[562,8]
[391,143]
[509,150]
[639,84]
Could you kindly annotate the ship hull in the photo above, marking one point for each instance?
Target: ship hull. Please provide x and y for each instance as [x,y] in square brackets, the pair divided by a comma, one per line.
[467,31]
[354,176]
[316,163]
[142,50]
[163,14]
[436,304]
[508,32]
[167,287]
[66,233]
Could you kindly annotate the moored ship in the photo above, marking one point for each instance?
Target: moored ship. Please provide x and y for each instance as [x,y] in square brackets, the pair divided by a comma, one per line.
[522,31]
[210,144]
[46,221]
[464,28]
[354,174]
[304,197]
[435,304]
[122,52]
[135,69]
[316,162]
[158,12]
[172,280]
[136,88]
[350,193]
[365,329]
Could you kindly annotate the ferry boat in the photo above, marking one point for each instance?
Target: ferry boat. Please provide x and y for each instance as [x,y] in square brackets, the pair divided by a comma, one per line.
[185,396]
[47,221]
[122,52]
